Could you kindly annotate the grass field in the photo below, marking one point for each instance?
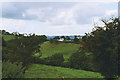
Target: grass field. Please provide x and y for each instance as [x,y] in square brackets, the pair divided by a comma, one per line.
[44,71]
[66,49]
[8,37]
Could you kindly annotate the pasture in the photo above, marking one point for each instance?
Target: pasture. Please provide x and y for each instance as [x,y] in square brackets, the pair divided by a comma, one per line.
[45,71]
[48,49]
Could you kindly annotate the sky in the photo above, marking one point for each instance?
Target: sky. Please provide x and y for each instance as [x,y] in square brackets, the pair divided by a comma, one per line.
[55,18]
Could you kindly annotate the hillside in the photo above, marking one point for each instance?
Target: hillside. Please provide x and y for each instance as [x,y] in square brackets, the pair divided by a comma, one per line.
[8,37]
[48,49]
[66,49]
[44,71]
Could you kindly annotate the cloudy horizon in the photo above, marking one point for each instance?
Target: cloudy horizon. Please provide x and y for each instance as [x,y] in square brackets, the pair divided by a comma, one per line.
[55,18]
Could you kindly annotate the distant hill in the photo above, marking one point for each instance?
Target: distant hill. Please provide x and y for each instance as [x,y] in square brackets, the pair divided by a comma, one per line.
[9,37]
[48,49]
[71,37]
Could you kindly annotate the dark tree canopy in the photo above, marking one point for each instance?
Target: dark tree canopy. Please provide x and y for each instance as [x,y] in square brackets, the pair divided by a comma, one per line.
[21,49]
[67,38]
[78,60]
[103,42]
[76,40]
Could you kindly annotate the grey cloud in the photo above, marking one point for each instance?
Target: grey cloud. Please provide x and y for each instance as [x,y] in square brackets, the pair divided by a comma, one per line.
[15,10]
[119,9]
[81,13]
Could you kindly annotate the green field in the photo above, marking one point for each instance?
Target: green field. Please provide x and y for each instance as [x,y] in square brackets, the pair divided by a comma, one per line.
[44,71]
[8,37]
[66,49]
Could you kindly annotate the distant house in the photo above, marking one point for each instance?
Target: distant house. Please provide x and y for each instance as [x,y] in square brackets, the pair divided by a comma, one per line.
[79,37]
[61,39]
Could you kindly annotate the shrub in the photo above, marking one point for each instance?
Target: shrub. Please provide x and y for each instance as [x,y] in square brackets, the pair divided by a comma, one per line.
[76,40]
[56,59]
[65,64]
[12,70]
[35,60]
[78,60]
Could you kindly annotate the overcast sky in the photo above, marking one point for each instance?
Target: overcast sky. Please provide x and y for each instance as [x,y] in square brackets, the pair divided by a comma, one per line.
[55,18]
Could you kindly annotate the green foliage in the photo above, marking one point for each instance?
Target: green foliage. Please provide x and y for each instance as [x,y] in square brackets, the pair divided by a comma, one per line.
[36,60]
[76,40]
[78,60]
[66,64]
[3,42]
[12,70]
[55,39]
[2,47]
[56,59]
[21,49]
[63,37]
[103,43]
[8,37]
[4,32]
[67,38]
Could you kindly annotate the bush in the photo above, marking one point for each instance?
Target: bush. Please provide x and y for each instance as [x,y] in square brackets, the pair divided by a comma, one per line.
[66,64]
[78,60]
[76,40]
[35,60]
[56,59]
[10,70]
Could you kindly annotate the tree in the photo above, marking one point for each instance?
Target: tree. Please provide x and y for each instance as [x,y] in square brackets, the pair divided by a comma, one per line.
[21,49]
[103,43]
[12,70]
[16,33]
[67,38]
[56,59]
[3,32]
[76,40]
[56,37]
[63,37]
[2,47]
[3,42]
[78,60]
[51,40]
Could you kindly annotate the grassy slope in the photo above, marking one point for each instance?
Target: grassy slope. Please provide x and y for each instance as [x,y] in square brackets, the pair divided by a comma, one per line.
[44,71]
[8,37]
[49,49]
